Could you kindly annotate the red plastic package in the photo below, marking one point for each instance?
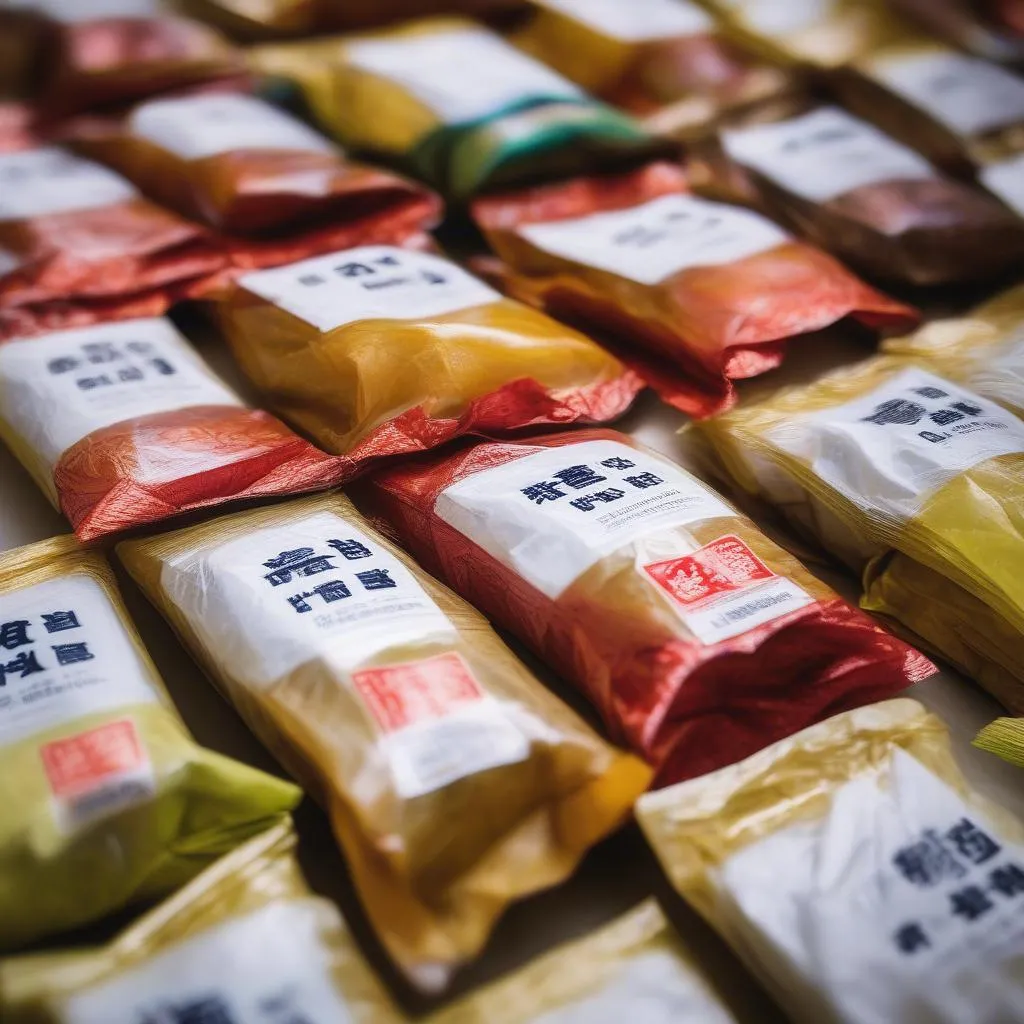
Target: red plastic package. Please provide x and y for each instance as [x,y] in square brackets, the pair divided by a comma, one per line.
[122,424]
[709,289]
[698,639]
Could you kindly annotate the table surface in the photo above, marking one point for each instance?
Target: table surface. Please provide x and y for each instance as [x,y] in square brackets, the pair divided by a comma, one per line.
[620,871]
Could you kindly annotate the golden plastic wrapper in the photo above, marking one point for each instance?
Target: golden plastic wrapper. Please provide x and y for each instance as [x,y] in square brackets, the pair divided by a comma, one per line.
[983,349]
[455,782]
[855,872]
[637,965]
[245,940]
[1005,737]
[107,799]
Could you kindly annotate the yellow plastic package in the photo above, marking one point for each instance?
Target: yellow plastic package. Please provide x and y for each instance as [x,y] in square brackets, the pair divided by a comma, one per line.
[244,941]
[984,349]
[635,968]
[854,871]
[106,799]
[1005,737]
[455,781]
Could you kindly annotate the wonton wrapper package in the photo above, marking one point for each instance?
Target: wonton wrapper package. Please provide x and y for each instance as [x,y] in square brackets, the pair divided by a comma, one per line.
[635,968]
[107,799]
[711,291]
[122,424]
[697,638]
[455,782]
[662,60]
[456,103]
[913,480]
[244,941]
[379,351]
[855,872]
[870,200]
[1005,737]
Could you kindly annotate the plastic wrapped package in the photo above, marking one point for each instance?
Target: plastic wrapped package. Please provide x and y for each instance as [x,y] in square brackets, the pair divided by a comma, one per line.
[1005,737]
[870,200]
[252,171]
[245,940]
[1005,179]
[380,351]
[710,292]
[123,424]
[993,29]
[107,799]
[855,872]
[662,60]
[455,781]
[697,638]
[79,244]
[455,103]
[634,968]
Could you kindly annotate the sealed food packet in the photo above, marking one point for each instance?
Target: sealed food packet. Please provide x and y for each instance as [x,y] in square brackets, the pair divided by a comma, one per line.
[455,781]
[662,60]
[636,968]
[123,424]
[251,170]
[79,244]
[1005,737]
[697,638]
[993,29]
[1005,179]
[983,349]
[711,292]
[848,187]
[855,872]
[380,351]
[456,103]
[107,799]
[244,941]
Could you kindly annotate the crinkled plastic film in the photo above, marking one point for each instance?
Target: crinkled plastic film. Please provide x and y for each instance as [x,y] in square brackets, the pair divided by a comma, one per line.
[437,847]
[814,846]
[1005,737]
[108,801]
[691,331]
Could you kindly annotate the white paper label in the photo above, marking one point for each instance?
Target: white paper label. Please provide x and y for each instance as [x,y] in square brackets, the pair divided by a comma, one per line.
[1006,180]
[58,388]
[551,515]
[891,448]
[369,283]
[40,182]
[1002,376]
[634,21]
[200,126]
[823,154]
[284,595]
[460,74]
[966,94]
[899,904]
[267,967]
[650,242]
[64,654]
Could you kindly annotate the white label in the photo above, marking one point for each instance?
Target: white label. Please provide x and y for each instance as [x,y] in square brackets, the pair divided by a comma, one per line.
[40,182]
[892,447]
[1002,375]
[315,588]
[900,903]
[551,515]
[824,154]
[460,74]
[64,654]
[1006,180]
[369,283]
[650,242]
[200,126]
[966,94]
[59,388]
[636,20]
[269,967]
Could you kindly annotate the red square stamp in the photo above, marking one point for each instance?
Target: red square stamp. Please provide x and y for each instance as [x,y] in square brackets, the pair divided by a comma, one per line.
[721,567]
[79,763]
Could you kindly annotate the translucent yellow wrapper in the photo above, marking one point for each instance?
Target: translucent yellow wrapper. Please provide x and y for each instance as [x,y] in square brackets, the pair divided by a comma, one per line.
[1005,737]
[984,349]
[454,780]
[106,799]
[635,965]
[855,872]
[245,933]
